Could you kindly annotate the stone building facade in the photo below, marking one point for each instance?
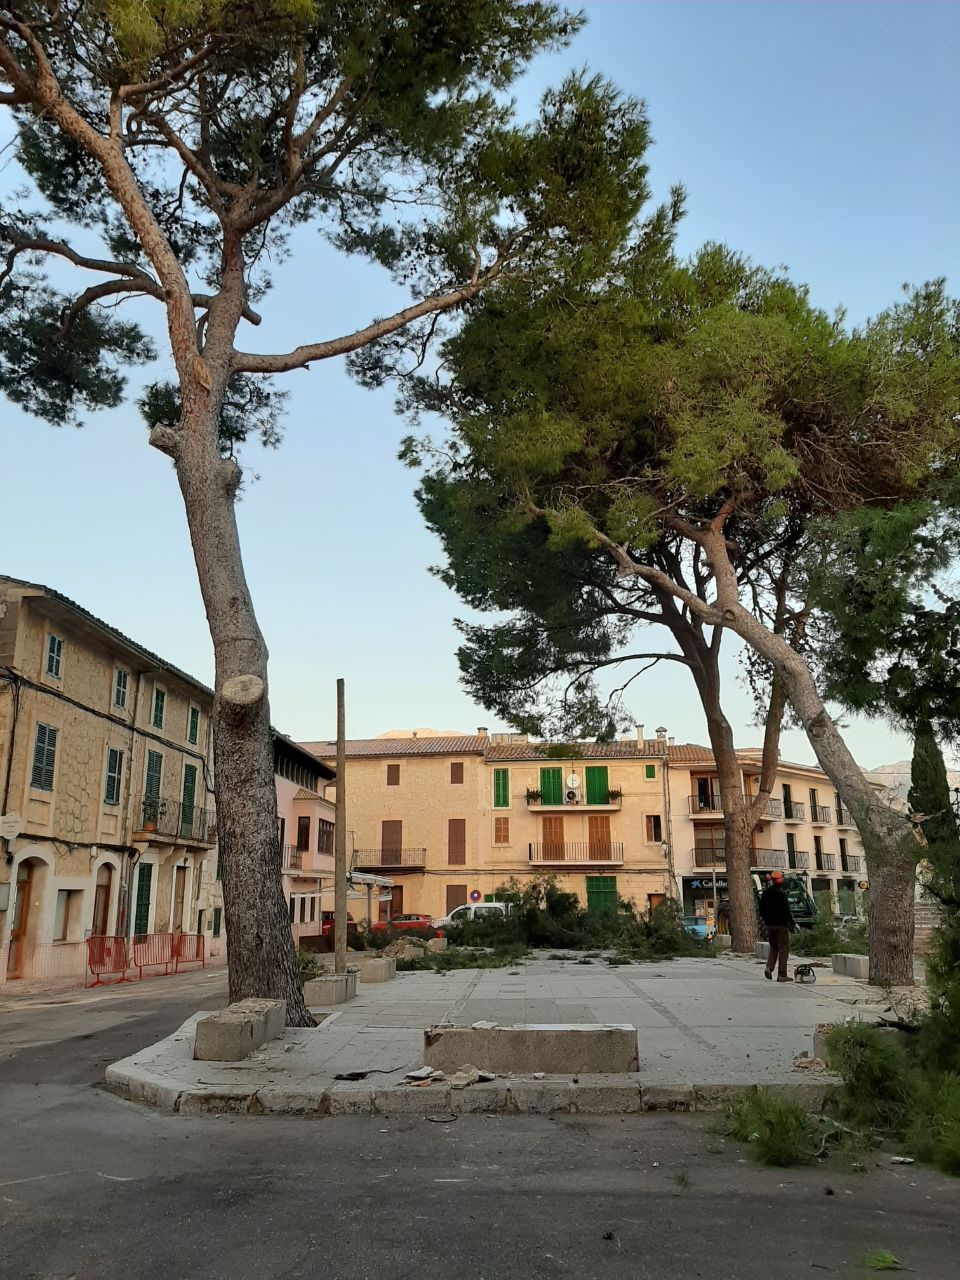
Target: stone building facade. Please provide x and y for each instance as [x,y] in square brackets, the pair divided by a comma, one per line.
[453,817]
[106,788]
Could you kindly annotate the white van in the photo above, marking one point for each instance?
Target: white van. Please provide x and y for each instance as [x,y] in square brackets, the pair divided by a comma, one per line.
[470,911]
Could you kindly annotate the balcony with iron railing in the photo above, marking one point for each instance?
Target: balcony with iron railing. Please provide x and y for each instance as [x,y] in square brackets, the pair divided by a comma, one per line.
[826,861]
[850,864]
[794,811]
[393,860]
[574,853]
[185,823]
[704,806]
[820,813]
[292,858]
[844,818]
[768,859]
[609,801]
[760,859]
[798,861]
[773,809]
[709,856]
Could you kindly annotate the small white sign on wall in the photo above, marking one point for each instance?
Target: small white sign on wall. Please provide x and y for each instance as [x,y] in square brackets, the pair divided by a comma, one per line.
[10,826]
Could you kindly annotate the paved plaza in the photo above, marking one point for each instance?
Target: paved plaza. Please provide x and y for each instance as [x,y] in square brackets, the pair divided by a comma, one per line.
[700,1023]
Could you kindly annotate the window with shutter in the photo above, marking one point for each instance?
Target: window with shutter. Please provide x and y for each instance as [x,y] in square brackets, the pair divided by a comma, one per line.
[393,775]
[44,758]
[456,771]
[188,800]
[111,789]
[551,786]
[120,688]
[650,771]
[193,725]
[391,841]
[303,834]
[217,915]
[456,842]
[602,894]
[152,776]
[598,831]
[597,787]
[501,831]
[54,651]
[501,788]
[159,702]
[654,828]
[324,836]
[141,917]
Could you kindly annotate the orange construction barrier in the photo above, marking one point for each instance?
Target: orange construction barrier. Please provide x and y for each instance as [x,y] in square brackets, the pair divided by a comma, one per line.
[188,949]
[107,955]
[151,949]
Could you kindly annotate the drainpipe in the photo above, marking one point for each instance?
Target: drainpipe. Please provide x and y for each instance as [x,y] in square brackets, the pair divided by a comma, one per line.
[14,685]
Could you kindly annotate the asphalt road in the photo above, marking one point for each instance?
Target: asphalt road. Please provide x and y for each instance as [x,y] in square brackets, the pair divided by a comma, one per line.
[94,1187]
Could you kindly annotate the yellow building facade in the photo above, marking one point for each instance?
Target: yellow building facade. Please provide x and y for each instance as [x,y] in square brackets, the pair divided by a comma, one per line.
[106,789]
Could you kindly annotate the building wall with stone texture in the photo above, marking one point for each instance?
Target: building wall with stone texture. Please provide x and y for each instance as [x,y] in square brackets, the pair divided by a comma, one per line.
[72,827]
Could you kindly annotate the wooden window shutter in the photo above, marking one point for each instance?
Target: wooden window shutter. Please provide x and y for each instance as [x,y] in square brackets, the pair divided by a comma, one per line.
[393,775]
[391,841]
[599,835]
[303,835]
[553,849]
[456,896]
[501,831]
[456,771]
[151,785]
[551,786]
[457,842]
[501,788]
[596,784]
[44,758]
[111,791]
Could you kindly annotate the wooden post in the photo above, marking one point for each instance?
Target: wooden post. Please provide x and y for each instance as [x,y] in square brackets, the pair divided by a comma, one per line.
[340,845]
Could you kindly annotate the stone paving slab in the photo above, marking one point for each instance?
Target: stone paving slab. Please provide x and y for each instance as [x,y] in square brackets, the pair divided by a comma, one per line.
[704,1027]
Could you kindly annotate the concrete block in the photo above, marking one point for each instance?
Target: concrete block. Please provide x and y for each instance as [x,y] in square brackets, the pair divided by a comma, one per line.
[603,1098]
[721,941]
[479,1098]
[332,988]
[142,1086]
[378,969]
[274,1013]
[851,966]
[217,1102]
[229,1036]
[436,945]
[679,1097]
[540,1097]
[524,1049]
[307,1100]
[711,1097]
[347,1099]
[761,950]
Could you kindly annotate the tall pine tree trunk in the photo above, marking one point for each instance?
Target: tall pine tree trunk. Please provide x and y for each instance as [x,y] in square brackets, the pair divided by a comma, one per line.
[261,955]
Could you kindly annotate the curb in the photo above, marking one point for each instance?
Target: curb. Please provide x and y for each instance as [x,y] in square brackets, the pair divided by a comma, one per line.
[513,1095]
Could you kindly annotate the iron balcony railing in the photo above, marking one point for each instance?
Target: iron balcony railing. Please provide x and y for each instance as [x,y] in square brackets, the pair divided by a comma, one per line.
[396,859]
[710,856]
[826,861]
[573,852]
[819,813]
[292,858]
[760,859]
[794,810]
[844,818]
[181,821]
[850,864]
[706,804]
[612,796]
[798,861]
[773,809]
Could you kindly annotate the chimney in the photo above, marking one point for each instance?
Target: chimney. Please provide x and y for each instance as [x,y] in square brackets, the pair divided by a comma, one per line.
[661,733]
[640,734]
[482,730]
[671,741]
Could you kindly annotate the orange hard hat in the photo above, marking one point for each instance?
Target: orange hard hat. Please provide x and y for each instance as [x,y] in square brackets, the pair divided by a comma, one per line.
[776,875]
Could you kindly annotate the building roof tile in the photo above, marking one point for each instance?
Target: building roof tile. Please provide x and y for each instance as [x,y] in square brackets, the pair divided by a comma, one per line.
[460,745]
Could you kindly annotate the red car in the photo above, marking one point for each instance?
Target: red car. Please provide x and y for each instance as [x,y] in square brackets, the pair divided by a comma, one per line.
[416,923]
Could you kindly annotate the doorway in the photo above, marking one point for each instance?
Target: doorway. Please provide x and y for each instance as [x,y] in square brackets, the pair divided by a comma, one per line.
[101,901]
[456,896]
[16,956]
[179,893]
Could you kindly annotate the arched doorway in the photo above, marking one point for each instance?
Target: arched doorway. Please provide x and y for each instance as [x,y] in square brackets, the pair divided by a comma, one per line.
[21,920]
[101,900]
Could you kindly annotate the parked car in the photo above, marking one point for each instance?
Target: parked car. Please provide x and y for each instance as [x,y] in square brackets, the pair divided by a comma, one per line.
[471,911]
[416,923]
[699,926]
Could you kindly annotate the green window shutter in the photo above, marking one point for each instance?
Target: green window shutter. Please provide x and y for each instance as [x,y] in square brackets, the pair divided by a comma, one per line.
[151,783]
[597,787]
[551,786]
[193,731]
[217,914]
[44,758]
[650,771]
[120,688]
[159,702]
[501,788]
[54,650]
[189,797]
[602,893]
[218,866]
[111,790]
[141,917]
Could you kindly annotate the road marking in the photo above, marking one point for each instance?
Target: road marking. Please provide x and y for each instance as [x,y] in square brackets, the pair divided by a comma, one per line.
[40,1177]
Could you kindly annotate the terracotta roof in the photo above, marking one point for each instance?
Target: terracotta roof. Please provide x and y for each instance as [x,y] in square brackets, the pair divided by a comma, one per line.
[461,745]
[650,749]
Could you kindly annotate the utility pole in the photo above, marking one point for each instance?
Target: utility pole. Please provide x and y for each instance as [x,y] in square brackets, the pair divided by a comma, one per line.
[340,845]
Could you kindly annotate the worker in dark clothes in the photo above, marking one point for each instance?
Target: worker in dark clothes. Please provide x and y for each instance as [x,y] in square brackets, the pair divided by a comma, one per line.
[776,915]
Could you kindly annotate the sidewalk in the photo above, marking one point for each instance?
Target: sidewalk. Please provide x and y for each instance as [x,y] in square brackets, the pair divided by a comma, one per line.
[703,1026]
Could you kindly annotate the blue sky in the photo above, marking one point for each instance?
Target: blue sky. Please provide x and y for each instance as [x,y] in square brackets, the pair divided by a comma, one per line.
[820,136]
